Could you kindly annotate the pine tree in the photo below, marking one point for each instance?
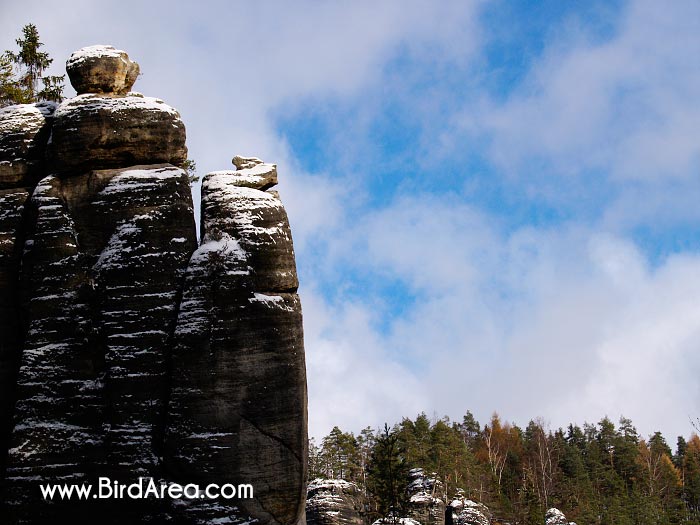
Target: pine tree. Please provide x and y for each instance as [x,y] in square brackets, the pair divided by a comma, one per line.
[388,474]
[340,455]
[30,85]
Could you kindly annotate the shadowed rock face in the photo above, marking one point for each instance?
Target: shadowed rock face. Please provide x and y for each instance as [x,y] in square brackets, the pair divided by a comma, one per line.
[127,348]
[24,131]
[101,277]
[237,408]
[12,204]
[335,502]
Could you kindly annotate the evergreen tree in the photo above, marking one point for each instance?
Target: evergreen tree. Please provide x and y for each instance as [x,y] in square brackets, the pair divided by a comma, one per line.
[598,474]
[30,85]
[315,461]
[365,444]
[469,429]
[681,446]
[340,456]
[388,474]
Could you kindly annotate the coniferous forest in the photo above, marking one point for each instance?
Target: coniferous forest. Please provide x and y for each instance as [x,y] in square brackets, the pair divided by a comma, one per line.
[603,474]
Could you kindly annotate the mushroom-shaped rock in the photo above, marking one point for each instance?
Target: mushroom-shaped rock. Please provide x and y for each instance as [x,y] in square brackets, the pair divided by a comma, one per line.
[101,132]
[101,69]
[24,131]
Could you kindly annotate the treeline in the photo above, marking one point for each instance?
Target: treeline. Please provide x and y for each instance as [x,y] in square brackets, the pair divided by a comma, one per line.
[603,474]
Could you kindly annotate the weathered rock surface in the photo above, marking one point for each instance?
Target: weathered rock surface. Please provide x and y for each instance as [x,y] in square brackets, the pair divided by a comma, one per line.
[102,132]
[101,69]
[101,278]
[425,503]
[554,516]
[396,521]
[335,502]
[11,241]
[254,173]
[468,512]
[128,349]
[238,400]
[24,132]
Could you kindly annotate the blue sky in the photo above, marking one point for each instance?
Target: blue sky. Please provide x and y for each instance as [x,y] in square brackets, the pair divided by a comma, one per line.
[494,204]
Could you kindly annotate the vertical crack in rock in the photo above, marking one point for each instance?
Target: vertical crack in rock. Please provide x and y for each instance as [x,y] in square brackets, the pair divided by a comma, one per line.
[126,349]
[238,403]
[12,216]
[58,413]
[24,132]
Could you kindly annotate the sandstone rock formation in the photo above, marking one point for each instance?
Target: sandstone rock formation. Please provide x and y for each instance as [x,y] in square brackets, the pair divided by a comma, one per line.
[396,521]
[128,348]
[468,512]
[100,131]
[554,516]
[237,410]
[335,502]
[101,69]
[425,504]
[24,132]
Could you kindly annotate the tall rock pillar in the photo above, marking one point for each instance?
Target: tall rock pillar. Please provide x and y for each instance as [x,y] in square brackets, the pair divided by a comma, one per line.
[237,410]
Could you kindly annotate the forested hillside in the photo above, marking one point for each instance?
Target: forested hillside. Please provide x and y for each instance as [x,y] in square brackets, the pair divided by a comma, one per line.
[603,474]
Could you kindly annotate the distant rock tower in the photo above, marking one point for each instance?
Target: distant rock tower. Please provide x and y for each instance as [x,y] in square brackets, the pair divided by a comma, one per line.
[128,348]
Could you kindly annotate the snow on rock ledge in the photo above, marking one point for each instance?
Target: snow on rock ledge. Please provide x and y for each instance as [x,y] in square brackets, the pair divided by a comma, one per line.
[238,401]
[24,132]
[101,69]
[334,502]
[101,132]
[468,512]
[556,517]
[395,521]
[425,503]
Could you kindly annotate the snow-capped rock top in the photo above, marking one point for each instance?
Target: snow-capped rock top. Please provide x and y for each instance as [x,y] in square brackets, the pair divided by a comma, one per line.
[554,516]
[251,172]
[330,484]
[101,69]
[468,512]
[24,132]
[396,521]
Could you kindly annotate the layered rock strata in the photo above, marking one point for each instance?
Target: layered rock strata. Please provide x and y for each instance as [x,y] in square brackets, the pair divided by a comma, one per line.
[129,349]
[425,503]
[335,502]
[554,516]
[102,131]
[237,410]
[24,132]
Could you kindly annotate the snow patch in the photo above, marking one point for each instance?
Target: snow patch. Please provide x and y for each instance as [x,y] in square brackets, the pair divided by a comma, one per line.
[92,52]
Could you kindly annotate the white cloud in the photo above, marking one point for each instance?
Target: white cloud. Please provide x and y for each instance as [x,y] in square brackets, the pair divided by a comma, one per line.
[626,105]
[569,324]
[353,381]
